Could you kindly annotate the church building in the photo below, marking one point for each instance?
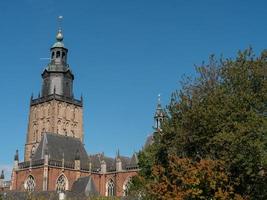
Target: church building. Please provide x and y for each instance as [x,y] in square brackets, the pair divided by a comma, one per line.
[54,157]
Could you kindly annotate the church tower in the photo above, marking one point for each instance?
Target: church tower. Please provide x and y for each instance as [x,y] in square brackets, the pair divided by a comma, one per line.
[55,110]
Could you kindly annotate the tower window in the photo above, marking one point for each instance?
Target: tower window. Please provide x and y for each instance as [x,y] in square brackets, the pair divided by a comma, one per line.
[58,54]
[53,55]
[63,55]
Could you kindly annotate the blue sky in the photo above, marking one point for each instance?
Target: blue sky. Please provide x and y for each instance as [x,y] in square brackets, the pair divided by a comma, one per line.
[122,52]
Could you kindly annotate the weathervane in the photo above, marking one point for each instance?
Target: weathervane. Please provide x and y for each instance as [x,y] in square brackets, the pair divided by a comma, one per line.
[158,98]
[59,21]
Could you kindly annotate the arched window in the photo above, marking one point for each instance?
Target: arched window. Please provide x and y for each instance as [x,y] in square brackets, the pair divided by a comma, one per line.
[110,188]
[126,186]
[58,54]
[62,183]
[63,55]
[29,184]
[53,55]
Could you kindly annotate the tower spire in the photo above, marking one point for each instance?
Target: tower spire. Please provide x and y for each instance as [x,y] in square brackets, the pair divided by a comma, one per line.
[159,115]
[57,76]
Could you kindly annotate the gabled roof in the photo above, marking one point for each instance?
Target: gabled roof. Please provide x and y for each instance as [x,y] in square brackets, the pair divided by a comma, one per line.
[134,160]
[85,185]
[96,159]
[149,141]
[58,146]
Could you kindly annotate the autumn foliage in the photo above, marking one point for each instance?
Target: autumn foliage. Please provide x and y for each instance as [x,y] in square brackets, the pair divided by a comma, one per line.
[187,179]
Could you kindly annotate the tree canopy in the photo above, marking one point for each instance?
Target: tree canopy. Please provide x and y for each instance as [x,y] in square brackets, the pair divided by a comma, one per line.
[213,143]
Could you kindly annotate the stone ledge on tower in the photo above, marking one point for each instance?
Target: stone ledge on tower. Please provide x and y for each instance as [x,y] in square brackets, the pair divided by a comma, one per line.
[58,97]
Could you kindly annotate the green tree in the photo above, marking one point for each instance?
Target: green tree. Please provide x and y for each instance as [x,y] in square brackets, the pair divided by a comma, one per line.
[220,116]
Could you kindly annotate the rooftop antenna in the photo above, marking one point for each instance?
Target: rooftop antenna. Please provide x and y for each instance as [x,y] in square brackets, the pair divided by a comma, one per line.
[159,95]
[59,21]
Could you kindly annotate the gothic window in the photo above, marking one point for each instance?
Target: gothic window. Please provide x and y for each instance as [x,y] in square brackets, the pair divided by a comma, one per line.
[126,187]
[62,183]
[58,54]
[29,184]
[110,188]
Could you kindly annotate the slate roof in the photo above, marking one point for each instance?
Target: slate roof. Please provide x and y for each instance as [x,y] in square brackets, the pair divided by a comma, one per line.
[85,186]
[96,159]
[134,159]
[58,146]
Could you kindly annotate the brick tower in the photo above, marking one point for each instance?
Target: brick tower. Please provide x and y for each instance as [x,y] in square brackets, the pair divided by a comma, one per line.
[55,110]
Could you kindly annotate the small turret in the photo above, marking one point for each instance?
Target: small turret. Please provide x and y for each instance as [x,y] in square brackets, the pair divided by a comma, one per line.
[16,157]
[103,166]
[2,177]
[16,160]
[118,162]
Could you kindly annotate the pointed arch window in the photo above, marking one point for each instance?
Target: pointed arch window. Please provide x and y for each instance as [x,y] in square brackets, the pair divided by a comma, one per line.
[126,186]
[29,184]
[62,183]
[110,188]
